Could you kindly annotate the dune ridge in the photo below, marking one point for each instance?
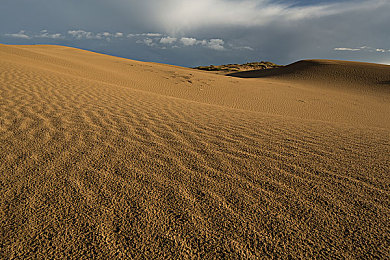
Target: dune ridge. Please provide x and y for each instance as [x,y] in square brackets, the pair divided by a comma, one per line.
[107,157]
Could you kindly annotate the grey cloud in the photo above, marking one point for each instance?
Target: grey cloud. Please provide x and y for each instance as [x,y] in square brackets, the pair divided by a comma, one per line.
[185,15]
[282,31]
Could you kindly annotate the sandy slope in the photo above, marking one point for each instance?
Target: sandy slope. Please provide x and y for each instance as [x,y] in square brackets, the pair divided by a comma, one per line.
[108,157]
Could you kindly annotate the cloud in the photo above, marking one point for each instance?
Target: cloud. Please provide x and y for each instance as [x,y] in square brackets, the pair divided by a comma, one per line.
[105,34]
[188,41]
[46,34]
[363,48]
[148,42]
[149,39]
[81,34]
[346,49]
[42,34]
[216,44]
[240,48]
[168,40]
[152,34]
[20,34]
[184,15]
[281,31]
[130,35]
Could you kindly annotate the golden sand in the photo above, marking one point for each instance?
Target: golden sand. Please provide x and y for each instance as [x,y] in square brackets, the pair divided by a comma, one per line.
[104,157]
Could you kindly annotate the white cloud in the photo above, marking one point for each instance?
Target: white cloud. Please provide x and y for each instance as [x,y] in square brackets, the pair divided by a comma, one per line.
[149,42]
[363,48]
[152,34]
[174,43]
[203,42]
[241,48]
[106,34]
[149,39]
[168,40]
[347,49]
[46,34]
[216,44]
[81,34]
[20,34]
[246,48]
[144,34]
[188,41]
[42,34]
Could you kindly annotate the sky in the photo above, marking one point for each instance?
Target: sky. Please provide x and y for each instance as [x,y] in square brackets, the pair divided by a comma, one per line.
[203,32]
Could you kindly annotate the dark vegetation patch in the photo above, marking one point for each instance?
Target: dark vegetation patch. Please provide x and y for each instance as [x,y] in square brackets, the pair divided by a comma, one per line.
[240,67]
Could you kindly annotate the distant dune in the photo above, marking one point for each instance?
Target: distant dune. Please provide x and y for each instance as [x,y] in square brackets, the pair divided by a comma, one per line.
[342,74]
[104,157]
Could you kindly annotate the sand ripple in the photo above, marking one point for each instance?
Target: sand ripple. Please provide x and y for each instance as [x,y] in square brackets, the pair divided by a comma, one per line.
[98,169]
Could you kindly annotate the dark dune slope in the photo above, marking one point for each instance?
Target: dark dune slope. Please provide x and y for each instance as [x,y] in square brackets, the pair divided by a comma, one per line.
[329,72]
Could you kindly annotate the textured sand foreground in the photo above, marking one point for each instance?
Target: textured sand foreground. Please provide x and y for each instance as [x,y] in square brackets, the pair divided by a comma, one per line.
[111,158]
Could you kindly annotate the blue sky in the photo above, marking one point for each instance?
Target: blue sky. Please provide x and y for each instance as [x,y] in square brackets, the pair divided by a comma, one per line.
[191,33]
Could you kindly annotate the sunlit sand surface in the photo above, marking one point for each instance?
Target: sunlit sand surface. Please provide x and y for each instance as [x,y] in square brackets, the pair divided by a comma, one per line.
[111,158]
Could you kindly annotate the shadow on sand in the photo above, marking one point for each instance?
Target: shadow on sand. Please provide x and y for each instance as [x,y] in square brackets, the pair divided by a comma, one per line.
[255,73]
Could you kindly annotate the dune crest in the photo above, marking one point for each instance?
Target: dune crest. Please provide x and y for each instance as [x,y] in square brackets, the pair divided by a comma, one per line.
[104,157]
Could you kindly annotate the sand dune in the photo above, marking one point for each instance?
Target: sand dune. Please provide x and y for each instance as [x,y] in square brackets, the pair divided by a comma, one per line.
[108,157]
[340,74]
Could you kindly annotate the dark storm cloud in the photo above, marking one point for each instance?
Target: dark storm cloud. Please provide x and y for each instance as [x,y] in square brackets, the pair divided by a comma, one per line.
[198,32]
